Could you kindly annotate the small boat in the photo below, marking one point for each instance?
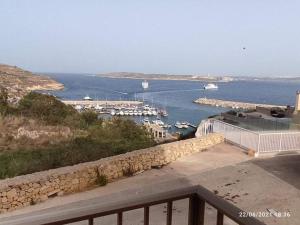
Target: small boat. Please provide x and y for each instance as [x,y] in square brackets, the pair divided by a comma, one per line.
[210,86]
[78,107]
[154,113]
[121,113]
[145,84]
[146,121]
[113,112]
[87,98]
[126,113]
[130,113]
[181,125]
[178,125]
[158,122]
[98,107]
[135,113]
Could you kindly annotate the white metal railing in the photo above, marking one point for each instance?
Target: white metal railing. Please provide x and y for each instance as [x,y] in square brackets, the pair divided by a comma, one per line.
[260,142]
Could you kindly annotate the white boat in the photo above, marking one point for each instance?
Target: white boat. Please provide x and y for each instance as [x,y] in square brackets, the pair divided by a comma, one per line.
[121,113]
[145,84]
[178,125]
[130,113]
[181,125]
[126,113]
[87,98]
[98,107]
[146,121]
[113,112]
[154,113]
[158,122]
[210,86]
[78,107]
[135,113]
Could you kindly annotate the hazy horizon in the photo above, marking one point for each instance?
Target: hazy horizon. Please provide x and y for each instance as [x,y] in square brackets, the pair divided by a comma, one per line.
[248,38]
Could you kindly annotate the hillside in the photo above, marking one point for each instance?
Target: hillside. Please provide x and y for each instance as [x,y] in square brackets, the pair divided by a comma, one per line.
[19,82]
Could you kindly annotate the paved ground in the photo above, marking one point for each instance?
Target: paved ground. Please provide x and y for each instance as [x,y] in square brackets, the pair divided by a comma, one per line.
[255,186]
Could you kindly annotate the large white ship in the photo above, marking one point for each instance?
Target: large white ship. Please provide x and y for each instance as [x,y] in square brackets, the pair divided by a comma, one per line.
[145,84]
[210,86]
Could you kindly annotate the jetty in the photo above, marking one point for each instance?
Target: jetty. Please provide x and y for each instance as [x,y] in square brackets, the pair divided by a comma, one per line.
[95,103]
[233,104]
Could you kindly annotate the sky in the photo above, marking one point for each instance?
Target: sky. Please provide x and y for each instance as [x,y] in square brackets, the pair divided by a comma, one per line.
[158,36]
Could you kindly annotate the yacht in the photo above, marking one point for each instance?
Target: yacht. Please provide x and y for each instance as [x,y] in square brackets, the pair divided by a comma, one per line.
[113,112]
[98,107]
[158,122]
[146,121]
[87,98]
[78,107]
[210,86]
[145,84]
[181,125]
[178,125]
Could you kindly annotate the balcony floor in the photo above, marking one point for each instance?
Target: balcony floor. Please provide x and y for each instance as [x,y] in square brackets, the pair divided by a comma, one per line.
[254,185]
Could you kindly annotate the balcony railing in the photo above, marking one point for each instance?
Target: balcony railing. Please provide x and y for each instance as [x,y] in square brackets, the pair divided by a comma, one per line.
[198,198]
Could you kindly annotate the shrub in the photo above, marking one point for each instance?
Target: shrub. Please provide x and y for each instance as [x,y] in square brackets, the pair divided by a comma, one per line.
[46,108]
[101,179]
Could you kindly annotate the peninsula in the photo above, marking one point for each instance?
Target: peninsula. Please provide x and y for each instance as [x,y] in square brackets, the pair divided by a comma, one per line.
[142,76]
[19,82]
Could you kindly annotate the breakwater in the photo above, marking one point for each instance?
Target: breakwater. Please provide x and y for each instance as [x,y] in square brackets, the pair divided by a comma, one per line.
[101,103]
[233,104]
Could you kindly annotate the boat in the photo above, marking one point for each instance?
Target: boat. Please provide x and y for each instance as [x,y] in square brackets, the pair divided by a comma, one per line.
[210,86]
[87,98]
[140,113]
[121,113]
[181,125]
[178,125]
[163,113]
[98,107]
[145,84]
[146,121]
[184,125]
[154,113]
[113,112]
[158,122]
[78,107]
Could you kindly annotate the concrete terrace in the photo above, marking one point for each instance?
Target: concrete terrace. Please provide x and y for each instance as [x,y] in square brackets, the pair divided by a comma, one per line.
[254,185]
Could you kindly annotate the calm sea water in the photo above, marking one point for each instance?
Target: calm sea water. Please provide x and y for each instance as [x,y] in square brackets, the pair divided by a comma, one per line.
[176,96]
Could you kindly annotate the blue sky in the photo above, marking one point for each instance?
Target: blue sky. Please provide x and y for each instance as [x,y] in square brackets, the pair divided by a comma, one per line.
[157,36]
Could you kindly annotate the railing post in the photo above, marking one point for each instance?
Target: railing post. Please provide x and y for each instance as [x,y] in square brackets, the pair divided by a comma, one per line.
[280,143]
[169,213]
[120,218]
[196,210]
[220,218]
[91,221]
[146,215]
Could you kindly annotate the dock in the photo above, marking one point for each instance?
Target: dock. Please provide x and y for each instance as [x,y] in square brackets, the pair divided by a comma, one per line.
[233,104]
[95,103]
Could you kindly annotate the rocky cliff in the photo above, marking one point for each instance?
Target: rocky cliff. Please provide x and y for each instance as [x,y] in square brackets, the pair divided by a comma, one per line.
[19,82]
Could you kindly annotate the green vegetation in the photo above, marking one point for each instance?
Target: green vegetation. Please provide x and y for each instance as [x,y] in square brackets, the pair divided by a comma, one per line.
[91,139]
[101,179]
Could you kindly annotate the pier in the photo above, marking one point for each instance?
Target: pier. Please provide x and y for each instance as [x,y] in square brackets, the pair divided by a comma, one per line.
[95,103]
[233,104]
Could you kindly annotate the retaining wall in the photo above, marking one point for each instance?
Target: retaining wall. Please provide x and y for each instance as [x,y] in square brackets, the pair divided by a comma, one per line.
[30,189]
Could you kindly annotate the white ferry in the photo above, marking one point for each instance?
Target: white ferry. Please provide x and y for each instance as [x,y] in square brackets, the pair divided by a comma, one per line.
[145,84]
[210,86]
[87,98]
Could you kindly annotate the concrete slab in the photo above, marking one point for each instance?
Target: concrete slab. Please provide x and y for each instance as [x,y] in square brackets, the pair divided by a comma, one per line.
[254,185]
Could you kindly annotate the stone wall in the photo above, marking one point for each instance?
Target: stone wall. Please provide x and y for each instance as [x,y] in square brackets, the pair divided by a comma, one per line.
[30,189]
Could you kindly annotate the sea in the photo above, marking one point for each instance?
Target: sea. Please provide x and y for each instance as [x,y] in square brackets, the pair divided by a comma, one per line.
[176,96]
